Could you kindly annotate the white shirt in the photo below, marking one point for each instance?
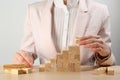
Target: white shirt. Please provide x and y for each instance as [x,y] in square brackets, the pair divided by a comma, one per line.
[64,23]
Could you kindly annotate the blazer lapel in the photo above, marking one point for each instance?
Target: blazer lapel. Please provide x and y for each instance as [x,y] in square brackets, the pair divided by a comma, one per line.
[81,24]
[46,23]
[82,20]
[46,17]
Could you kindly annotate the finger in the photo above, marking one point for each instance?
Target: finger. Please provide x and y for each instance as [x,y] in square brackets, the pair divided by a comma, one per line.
[94,45]
[97,49]
[21,60]
[88,37]
[89,41]
[26,57]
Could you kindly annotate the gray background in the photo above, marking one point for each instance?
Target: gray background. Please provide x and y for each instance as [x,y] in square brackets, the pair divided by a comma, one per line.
[12,14]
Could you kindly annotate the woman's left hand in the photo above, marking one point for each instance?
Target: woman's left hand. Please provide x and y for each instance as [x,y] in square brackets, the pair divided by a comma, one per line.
[96,44]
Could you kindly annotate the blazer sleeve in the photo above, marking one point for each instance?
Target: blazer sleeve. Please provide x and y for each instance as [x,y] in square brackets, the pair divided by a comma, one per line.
[28,44]
[106,36]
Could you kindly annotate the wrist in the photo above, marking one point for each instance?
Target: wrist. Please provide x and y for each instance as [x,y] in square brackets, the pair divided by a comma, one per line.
[102,56]
[105,52]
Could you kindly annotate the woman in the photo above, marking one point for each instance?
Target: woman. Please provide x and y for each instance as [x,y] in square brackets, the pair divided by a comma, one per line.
[51,25]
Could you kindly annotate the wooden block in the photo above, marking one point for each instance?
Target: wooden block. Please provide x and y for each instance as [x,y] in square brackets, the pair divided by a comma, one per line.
[15,71]
[77,57]
[59,56]
[6,66]
[59,59]
[53,64]
[53,60]
[48,66]
[71,67]
[27,70]
[59,66]
[42,68]
[59,63]
[65,67]
[65,55]
[101,70]
[18,71]
[77,67]
[74,49]
[74,53]
[77,40]
[74,66]
[8,71]
[110,70]
[60,69]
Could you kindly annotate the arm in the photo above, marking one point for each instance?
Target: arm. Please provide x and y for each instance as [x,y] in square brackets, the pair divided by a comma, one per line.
[27,53]
[101,44]
[28,44]
[106,37]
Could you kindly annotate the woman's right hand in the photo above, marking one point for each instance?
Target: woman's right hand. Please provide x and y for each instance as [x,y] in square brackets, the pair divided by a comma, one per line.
[21,57]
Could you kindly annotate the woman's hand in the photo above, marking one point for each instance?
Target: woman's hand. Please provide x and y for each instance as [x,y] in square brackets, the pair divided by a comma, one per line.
[21,57]
[96,44]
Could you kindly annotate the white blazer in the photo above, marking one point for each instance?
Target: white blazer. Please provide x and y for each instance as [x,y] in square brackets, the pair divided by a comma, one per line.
[92,19]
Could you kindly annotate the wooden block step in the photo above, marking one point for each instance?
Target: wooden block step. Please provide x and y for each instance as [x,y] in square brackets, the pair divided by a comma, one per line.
[6,66]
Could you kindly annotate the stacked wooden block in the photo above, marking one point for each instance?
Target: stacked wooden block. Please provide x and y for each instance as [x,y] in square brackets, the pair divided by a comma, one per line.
[67,60]
[16,69]
[49,66]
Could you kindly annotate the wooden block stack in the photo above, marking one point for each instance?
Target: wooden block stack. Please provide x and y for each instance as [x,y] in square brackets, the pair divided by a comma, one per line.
[49,66]
[16,69]
[66,61]
[74,58]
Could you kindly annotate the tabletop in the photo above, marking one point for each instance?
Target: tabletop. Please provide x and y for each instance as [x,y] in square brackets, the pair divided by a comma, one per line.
[86,73]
